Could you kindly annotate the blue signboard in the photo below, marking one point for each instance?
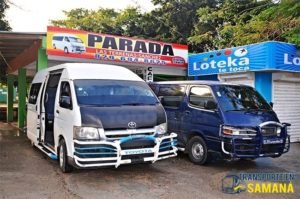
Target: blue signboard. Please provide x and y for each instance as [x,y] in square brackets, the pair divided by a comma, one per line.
[255,57]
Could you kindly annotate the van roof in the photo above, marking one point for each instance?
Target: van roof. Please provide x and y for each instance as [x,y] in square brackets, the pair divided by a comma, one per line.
[195,82]
[64,34]
[90,71]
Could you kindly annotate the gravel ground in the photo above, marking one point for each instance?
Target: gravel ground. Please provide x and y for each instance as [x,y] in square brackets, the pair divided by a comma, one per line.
[26,172]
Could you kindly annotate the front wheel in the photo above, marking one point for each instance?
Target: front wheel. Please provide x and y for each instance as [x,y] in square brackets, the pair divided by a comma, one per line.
[66,50]
[197,150]
[63,160]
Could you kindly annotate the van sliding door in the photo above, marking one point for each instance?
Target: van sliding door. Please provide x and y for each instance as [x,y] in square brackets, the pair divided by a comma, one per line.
[48,105]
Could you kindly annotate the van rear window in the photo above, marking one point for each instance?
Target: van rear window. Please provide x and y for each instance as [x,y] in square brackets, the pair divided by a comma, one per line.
[172,95]
[199,96]
[33,94]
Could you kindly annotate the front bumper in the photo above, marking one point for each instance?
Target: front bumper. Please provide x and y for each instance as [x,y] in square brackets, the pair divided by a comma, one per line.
[255,146]
[78,50]
[106,153]
[244,147]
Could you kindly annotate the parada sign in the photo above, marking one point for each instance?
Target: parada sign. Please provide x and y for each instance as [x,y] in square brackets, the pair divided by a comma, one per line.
[123,44]
[70,43]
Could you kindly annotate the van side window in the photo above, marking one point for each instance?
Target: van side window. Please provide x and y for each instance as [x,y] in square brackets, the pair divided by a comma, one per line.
[58,38]
[171,95]
[65,99]
[199,96]
[66,39]
[153,87]
[33,94]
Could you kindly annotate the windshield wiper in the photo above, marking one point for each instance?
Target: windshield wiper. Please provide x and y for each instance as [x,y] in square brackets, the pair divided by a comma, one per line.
[134,104]
[235,110]
[247,110]
[99,105]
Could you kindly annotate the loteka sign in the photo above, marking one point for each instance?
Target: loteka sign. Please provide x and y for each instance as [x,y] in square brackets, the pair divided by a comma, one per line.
[234,61]
[255,57]
[293,59]
[102,47]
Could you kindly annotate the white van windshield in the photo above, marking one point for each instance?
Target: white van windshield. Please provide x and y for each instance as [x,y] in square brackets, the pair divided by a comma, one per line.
[240,98]
[113,93]
[75,39]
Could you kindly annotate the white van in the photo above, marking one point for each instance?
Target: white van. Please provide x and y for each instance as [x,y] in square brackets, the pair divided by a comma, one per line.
[68,43]
[94,115]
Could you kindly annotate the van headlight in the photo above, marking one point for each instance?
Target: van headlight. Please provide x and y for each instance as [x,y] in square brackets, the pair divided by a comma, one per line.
[161,129]
[86,133]
[278,131]
[237,131]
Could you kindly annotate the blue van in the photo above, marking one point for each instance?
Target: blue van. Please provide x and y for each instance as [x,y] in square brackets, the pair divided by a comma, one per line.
[232,120]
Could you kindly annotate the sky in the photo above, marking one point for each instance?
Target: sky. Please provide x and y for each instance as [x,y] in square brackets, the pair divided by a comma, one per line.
[35,15]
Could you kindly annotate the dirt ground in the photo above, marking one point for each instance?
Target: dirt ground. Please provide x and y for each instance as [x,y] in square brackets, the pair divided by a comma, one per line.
[26,173]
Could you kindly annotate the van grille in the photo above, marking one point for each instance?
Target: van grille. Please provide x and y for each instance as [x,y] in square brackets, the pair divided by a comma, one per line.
[122,133]
[269,131]
[138,144]
[94,151]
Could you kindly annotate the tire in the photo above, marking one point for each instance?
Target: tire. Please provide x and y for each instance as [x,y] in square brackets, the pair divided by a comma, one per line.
[66,50]
[62,157]
[197,150]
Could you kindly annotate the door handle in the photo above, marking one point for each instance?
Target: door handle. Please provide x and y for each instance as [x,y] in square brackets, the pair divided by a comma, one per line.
[57,111]
[187,112]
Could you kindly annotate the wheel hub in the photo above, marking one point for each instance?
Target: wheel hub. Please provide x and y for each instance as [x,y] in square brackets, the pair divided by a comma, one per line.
[197,150]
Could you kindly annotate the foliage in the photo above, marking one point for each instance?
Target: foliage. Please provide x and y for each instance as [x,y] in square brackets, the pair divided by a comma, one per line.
[202,24]
[3,22]
[216,27]
[4,26]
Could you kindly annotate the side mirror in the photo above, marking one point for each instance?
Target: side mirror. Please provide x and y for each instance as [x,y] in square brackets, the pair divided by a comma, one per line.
[65,102]
[211,105]
[271,104]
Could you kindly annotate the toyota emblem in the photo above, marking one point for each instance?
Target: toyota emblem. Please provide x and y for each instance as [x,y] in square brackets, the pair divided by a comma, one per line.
[131,125]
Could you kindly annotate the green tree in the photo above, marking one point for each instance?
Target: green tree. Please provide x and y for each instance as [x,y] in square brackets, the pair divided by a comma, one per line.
[242,22]
[3,22]
[171,21]
[215,27]
[101,20]
[202,24]
[176,18]
[281,22]
[4,26]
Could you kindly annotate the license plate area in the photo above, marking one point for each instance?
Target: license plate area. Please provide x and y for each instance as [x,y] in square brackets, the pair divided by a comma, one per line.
[137,151]
[273,141]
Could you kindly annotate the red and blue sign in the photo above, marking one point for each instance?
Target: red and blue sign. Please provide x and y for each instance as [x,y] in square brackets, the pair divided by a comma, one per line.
[255,57]
[78,44]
